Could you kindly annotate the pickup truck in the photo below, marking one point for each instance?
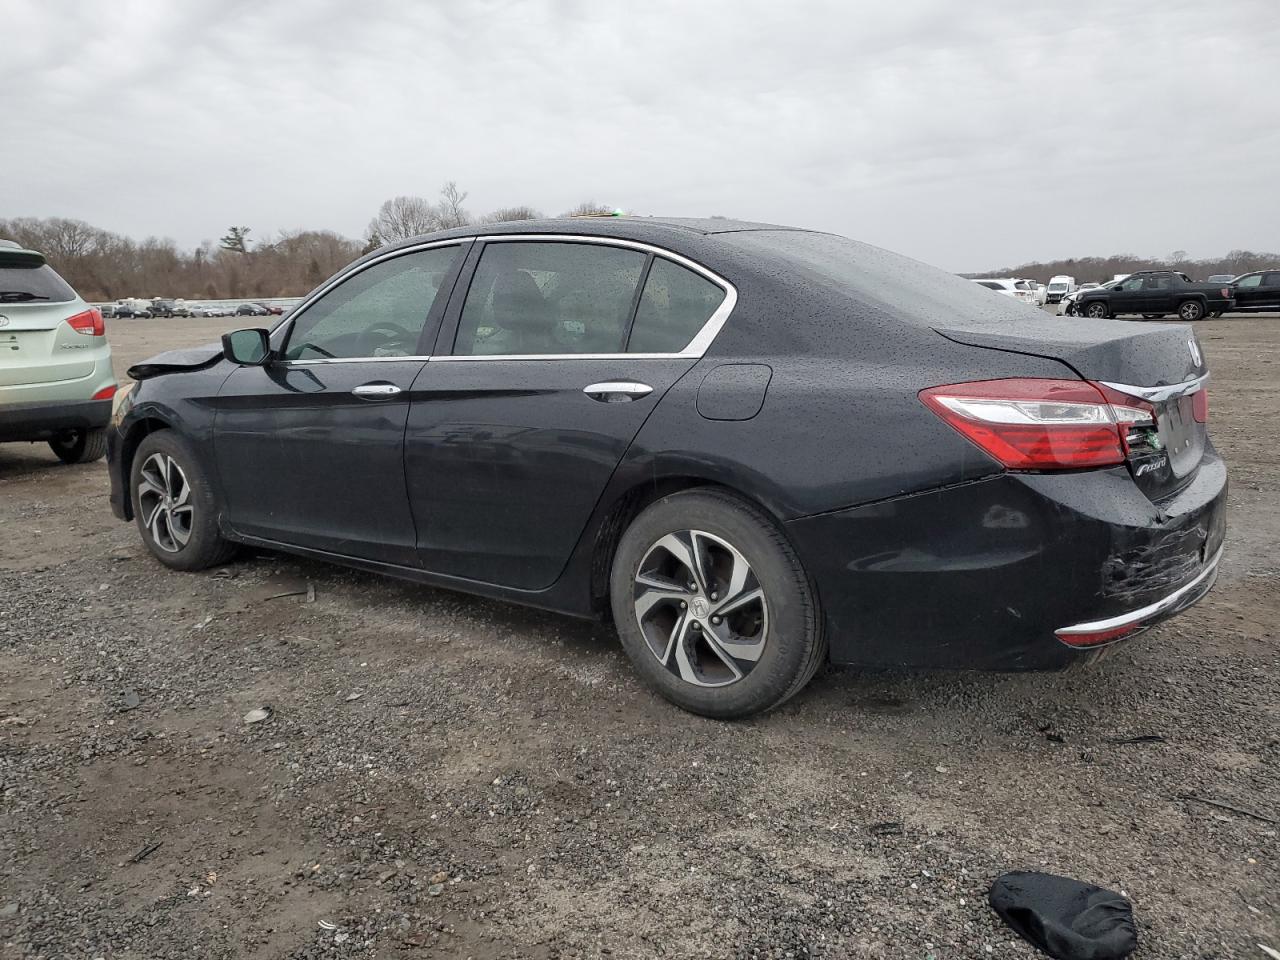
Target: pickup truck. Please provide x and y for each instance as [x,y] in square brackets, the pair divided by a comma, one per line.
[1154,293]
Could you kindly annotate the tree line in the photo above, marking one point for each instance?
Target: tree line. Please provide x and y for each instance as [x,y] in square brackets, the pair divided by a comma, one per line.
[1101,269]
[105,266]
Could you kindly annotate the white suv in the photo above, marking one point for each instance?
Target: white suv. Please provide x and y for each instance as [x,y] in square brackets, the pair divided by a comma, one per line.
[56,382]
[1019,290]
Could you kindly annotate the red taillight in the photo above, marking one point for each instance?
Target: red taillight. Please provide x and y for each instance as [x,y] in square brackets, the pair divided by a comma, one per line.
[1200,405]
[1095,637]
[106,393]
[88,323]
[1034,424]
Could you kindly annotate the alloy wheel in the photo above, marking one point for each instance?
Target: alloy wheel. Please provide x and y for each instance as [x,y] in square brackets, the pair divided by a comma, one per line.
[701,609]
[164,500]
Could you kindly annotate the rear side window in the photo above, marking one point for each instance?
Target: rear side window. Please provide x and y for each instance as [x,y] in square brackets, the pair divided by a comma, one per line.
[991,284]
[33,284]
[1158,283]
[675,305]
[531,298]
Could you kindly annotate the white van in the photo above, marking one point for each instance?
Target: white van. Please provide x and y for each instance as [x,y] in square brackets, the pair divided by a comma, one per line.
[1060,286]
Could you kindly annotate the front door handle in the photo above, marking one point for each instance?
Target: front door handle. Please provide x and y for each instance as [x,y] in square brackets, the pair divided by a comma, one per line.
[617,391]
[376,391]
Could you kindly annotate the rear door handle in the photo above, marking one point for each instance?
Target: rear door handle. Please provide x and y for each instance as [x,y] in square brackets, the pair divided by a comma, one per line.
[617,391]
[376,391]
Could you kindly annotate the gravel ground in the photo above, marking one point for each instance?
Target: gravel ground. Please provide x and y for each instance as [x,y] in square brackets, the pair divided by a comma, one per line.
[442,776]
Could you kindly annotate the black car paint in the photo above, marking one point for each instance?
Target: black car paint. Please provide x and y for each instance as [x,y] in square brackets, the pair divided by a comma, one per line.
[1175,289]
[515,485]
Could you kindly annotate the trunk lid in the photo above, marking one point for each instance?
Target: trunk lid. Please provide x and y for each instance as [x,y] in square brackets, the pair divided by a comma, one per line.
[1139,360]
[36,346]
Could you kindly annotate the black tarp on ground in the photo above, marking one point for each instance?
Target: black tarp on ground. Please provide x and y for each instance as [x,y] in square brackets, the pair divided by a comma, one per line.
[1065,918]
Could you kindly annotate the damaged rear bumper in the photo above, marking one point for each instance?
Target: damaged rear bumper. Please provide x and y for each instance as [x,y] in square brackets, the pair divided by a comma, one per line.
[986,574]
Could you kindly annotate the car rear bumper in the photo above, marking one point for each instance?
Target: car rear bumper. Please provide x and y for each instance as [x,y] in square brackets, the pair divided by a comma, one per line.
[989,574]
[43,421]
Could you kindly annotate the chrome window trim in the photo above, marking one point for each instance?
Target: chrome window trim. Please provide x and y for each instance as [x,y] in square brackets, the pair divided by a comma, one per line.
[1158,394]
[694,350]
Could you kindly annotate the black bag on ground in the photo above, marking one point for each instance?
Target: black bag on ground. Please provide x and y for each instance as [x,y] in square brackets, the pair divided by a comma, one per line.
[1065,918]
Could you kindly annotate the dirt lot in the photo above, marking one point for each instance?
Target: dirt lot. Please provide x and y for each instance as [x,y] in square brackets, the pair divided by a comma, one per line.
[451,777]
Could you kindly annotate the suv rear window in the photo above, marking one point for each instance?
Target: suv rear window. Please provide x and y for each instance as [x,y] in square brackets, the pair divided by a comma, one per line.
[23,284]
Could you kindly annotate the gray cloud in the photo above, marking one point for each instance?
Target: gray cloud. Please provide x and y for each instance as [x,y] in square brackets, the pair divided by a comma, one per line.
[970,135]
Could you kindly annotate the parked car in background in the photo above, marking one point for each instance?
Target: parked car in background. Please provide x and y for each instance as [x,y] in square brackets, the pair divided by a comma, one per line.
[1257,291]
[639,417]
[1039,293]
[56,382]
[107,310]
[1067,305]
[1155,293]
[1018,290]
[1060,286]
[132,311]
[252,310]
[270,308]
[203,310]
[162,307]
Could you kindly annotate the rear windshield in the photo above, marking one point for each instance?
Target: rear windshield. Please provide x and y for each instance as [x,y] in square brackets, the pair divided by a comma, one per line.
[38,285]
[913,292]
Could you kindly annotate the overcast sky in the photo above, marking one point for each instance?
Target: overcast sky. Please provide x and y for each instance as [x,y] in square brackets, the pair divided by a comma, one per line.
[969,134]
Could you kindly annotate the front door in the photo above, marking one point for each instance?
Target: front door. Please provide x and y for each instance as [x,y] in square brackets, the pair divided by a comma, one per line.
[310,447]
[555,358]
[1127,296]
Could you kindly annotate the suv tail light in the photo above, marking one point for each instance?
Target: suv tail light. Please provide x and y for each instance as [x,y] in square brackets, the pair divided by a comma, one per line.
[1034,424]
[88,323]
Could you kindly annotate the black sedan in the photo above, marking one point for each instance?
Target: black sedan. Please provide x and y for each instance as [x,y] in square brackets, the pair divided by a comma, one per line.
[757,449]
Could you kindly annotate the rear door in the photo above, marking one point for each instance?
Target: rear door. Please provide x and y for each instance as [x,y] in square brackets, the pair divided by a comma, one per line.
[310,447]
[1269,295]
[545,370]
[1157,294]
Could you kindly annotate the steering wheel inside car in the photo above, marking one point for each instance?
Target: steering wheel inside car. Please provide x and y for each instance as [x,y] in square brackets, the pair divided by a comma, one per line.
[393,337]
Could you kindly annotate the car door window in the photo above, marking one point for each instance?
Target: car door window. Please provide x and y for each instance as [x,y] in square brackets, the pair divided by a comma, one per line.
[1247,283]
[531,298]
[1130,286]
[378,312]
[1271,280]
[675,305]
[1157,283]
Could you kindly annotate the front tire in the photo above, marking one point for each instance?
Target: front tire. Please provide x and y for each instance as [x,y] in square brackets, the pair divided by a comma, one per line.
[1097,311]
[713,606]
[174,505]
[1190,311]
[80,446]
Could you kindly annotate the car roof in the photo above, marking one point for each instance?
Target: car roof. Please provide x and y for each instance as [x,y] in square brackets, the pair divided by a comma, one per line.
[642,229]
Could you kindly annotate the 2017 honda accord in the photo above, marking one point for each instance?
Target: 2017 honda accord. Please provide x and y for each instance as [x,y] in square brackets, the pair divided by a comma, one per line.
[758,448]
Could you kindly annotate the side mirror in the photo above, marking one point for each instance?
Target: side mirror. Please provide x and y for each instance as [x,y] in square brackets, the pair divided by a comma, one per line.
[249,348]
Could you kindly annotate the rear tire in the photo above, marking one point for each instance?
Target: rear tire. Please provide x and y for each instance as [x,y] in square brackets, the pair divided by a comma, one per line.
[174,505]
[81,446]
[1190,311]
[713,606]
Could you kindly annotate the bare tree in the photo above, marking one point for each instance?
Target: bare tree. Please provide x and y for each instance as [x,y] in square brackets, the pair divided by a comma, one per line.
[588,209]
[512,214]
[401,218]
[450,210]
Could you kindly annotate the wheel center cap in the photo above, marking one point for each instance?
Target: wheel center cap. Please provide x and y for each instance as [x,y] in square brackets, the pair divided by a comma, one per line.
[700,607]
